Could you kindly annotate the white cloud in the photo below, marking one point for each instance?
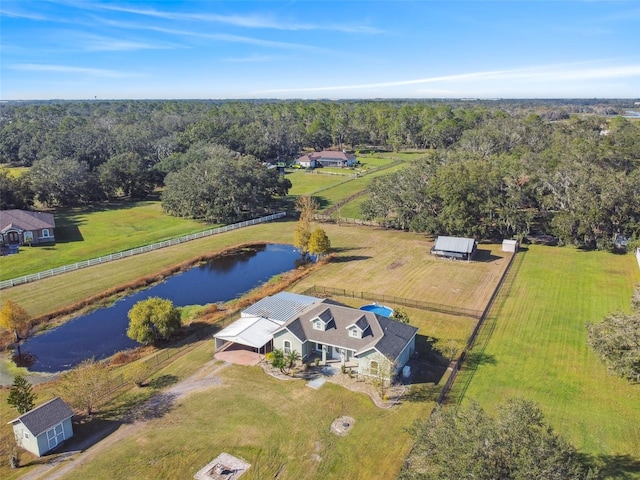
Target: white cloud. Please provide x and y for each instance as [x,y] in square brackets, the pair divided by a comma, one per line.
[95,72]
[538,74]
[247,21]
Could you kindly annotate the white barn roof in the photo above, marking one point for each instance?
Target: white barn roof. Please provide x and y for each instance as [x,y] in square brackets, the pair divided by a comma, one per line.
[251,331]
[280,307]
[455,244]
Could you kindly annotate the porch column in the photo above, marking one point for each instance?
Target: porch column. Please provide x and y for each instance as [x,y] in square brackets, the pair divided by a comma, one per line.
[324,354]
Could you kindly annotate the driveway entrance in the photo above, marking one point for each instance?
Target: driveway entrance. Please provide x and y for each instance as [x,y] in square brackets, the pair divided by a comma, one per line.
[239,354]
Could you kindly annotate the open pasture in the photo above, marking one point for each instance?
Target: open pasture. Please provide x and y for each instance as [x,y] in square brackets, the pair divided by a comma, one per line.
[533,345]
[92,232]
[281,427]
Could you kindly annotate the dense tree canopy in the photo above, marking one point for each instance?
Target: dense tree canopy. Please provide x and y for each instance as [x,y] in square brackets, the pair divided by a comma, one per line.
[569,180]
[494,169]
[223,190]
[468,443]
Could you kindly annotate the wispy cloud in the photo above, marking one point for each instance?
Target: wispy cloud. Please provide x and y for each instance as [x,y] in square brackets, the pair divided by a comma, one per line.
[99,43]
[7,12]
[544,73]
[221,37]
[263,21]
[253,59]
[94,72]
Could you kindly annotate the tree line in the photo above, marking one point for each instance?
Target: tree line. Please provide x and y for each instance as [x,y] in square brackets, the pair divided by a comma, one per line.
[578,180]
[493,169]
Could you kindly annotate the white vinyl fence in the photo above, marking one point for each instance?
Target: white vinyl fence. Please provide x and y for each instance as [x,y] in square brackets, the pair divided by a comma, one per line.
[638,255]
[135,251]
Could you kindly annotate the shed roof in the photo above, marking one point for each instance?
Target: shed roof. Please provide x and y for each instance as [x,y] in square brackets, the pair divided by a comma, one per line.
[25,220]
[279,307]
[47,415]
[254,332]
[455,244]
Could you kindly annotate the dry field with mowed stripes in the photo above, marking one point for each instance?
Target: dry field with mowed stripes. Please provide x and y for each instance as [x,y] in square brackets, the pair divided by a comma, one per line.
[389,262]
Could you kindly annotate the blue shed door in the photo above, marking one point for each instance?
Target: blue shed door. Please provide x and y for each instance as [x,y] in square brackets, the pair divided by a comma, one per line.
[55,436]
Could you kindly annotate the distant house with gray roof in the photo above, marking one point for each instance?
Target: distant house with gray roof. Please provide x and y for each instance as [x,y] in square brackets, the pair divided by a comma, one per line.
[327,158]
[458,248]
[44,428]
[23,227]
[370,342]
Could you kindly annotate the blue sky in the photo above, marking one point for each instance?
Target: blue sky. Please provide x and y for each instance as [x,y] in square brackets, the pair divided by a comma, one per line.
[68,49]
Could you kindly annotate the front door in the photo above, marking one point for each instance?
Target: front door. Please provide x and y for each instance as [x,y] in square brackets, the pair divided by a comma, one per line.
[13,238]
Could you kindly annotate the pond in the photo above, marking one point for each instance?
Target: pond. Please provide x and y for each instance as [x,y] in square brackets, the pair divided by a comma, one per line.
[102,333]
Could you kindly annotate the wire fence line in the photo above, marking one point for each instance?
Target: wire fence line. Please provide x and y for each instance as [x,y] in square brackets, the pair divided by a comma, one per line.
[135,251]
[157,361]
[472,338]
[406,302]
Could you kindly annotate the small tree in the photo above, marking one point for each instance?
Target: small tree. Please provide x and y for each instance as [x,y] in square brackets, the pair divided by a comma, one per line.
[139,372]
[21,395]
[152,320]
[450,348]
[14,318]
[616,339]
[319,244]
[400,314]
[381,371]
[83,386]
[277,360]
[291,358]
[307,206]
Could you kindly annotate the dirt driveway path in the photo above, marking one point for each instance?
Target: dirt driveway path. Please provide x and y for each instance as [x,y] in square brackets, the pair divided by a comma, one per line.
[204,378]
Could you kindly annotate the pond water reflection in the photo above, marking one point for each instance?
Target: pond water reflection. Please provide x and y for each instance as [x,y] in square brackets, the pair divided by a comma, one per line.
[102,332]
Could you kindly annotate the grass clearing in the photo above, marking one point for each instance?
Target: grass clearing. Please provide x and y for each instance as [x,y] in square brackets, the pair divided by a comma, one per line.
[87,233]
[537,350]
[280,427]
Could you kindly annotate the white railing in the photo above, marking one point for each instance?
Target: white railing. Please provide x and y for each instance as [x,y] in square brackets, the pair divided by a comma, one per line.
[135,251]
[638,255]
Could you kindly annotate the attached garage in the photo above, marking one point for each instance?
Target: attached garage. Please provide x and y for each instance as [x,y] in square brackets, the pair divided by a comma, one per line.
[44,428]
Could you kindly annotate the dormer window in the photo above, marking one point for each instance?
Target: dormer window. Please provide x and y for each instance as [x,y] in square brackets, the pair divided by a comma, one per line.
[322,321]
[359,328]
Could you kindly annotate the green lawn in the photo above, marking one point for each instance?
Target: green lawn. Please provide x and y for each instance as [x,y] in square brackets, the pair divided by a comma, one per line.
[534,346]
[87,233]
[352,209]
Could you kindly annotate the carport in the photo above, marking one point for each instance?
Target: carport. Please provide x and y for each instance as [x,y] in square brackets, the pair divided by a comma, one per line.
[254,332]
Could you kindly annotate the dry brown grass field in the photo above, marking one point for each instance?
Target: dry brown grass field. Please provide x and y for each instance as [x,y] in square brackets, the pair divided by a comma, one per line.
[369,259]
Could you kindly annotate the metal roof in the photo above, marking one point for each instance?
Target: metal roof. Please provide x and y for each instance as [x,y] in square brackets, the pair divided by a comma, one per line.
[455,244]
[252,331]
[280,307]
[47,415]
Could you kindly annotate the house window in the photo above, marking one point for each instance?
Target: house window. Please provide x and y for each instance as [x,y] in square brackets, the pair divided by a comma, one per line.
[319,347]
[353,332]
[373,367]
[317,324]
[45,232]
[286,347]
[26,435]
